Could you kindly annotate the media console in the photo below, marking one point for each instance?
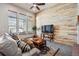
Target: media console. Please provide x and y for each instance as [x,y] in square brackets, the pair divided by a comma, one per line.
[50,36]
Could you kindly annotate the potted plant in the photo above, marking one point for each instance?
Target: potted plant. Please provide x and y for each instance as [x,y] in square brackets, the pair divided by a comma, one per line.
[34,29]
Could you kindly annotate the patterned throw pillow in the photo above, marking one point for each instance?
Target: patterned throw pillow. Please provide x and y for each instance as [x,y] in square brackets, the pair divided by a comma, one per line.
[24,46]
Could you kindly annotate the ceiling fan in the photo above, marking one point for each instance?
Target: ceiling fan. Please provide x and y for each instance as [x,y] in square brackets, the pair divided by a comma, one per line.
[36,5]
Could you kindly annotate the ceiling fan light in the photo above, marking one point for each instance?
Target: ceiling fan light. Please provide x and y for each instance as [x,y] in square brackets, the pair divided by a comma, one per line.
[34,5]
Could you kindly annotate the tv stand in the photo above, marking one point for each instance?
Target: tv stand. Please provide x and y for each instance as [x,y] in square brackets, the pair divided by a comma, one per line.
[48,35]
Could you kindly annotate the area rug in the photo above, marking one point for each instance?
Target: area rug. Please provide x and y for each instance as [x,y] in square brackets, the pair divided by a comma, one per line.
[46,51]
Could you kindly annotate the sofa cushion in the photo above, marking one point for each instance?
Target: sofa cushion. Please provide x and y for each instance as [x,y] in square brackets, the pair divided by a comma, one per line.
[8,46]
[33,52]
[19,52]
[14,36]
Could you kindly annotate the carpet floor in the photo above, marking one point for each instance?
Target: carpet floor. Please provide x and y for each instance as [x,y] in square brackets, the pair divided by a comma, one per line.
[65,49]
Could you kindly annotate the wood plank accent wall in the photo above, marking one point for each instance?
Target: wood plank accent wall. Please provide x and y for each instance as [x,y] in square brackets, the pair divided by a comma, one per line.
[66,32]
[63,17]
[78,19]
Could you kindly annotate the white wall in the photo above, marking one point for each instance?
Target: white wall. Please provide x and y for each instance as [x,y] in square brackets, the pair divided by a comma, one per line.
[3,18]
[78,24]
[77,33]
[4,15]
[63,17]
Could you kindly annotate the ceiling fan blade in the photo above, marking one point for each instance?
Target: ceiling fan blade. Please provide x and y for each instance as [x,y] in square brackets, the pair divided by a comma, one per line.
[40,3]
[37,7]
[31,7]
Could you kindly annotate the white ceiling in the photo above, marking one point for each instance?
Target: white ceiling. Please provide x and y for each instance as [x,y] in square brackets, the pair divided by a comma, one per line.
[27,6]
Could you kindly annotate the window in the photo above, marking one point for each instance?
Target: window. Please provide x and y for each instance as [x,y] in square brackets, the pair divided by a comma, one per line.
[30,24]
[17,22]
[22,22]
[12,21]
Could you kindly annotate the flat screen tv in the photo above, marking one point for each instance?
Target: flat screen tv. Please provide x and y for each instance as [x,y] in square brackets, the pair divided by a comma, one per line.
[47,29]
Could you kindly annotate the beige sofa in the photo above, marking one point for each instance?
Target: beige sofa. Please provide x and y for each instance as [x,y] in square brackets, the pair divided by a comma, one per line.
[8,47]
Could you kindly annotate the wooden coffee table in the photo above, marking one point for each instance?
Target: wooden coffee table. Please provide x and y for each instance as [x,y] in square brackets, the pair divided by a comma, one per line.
[34,41]
[38,41]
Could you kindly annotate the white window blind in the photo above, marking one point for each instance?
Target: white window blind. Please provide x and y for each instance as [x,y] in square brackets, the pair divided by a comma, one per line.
[12,21]
[22,23]
[30,24]
[19,22]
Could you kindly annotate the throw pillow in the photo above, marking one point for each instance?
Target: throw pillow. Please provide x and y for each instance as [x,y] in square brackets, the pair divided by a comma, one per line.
[24,46]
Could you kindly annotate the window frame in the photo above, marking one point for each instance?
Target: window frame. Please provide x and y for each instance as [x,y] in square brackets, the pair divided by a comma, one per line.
[17,21]
[24,20]
[12,17]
